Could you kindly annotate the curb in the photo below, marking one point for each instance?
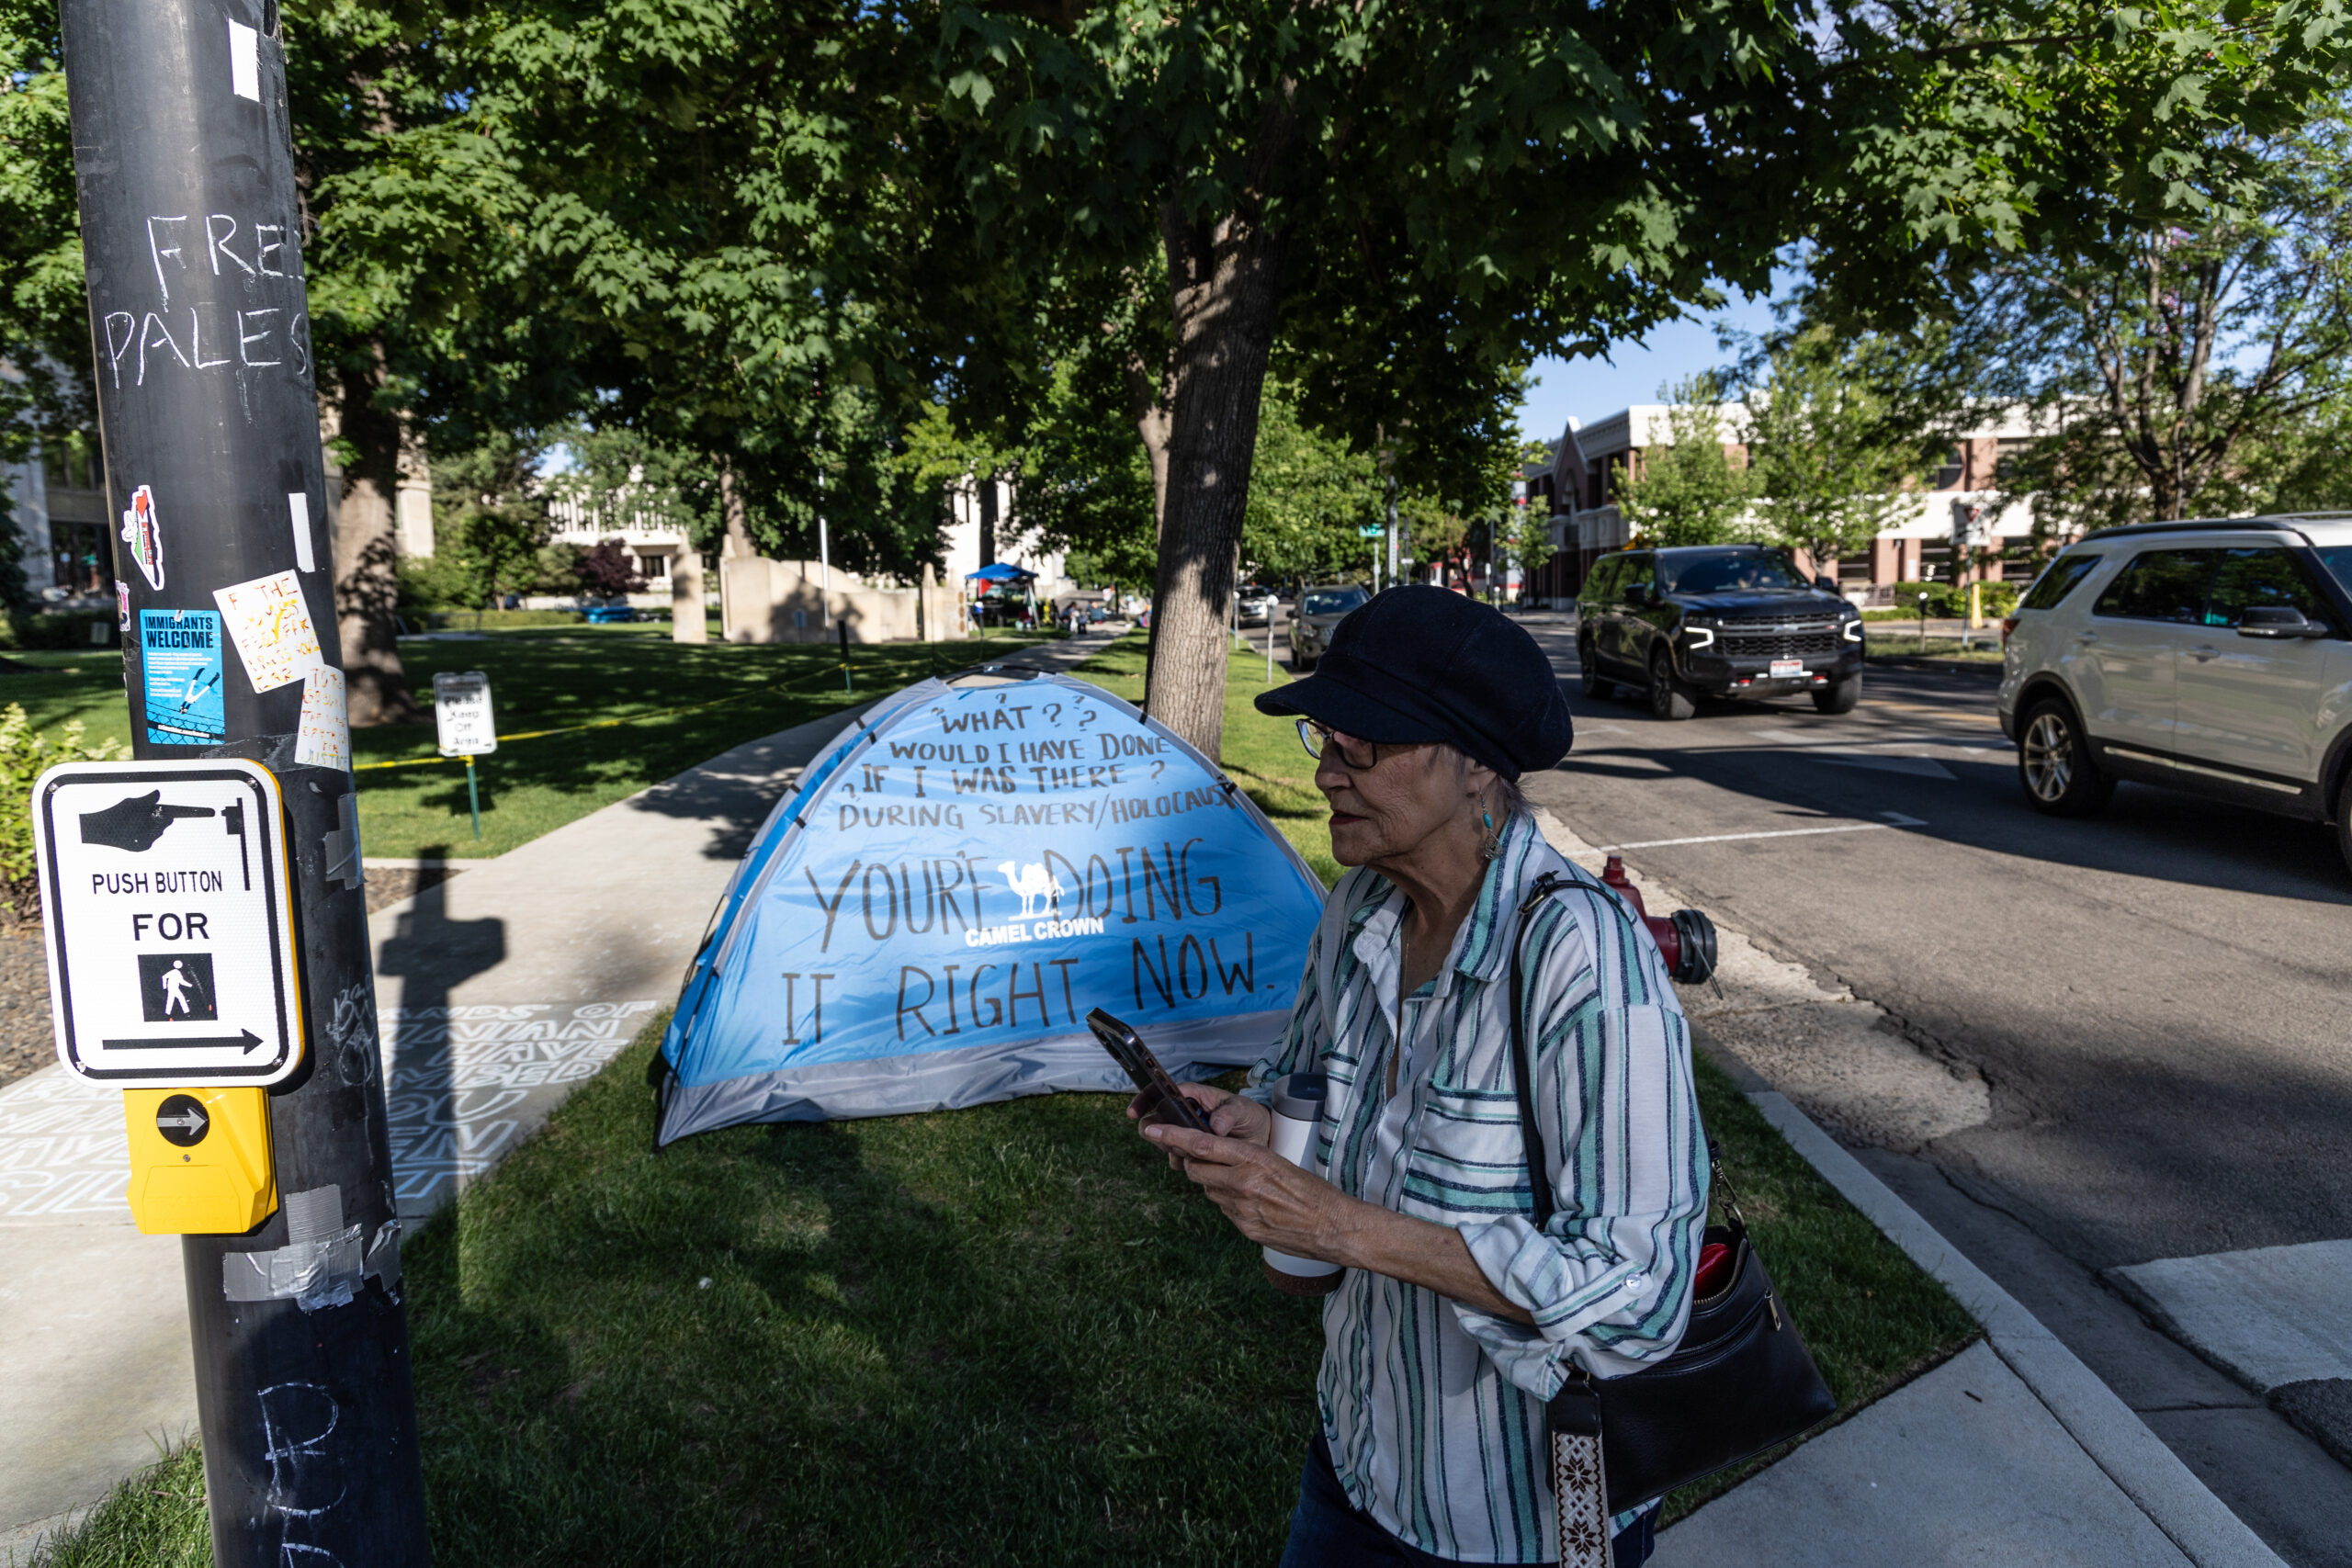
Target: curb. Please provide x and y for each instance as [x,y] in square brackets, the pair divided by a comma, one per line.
[2117,1442]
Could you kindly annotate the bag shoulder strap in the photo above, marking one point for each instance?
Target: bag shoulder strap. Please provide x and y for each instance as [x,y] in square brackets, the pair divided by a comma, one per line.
[1530,1132]
[1522,1067]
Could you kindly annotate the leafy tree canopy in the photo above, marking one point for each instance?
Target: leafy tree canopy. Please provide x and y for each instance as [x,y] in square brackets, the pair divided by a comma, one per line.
[1831,465]
[1687,490]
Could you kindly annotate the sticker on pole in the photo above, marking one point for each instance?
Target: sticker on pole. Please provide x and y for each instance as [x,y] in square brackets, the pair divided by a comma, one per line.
[179,658]
[168,904]
[461,714]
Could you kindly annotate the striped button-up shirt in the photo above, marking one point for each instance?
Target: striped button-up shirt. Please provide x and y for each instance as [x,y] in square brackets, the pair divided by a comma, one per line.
[1432,1409]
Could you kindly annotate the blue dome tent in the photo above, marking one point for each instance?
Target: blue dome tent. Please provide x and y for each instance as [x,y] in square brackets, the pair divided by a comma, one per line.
[962,875]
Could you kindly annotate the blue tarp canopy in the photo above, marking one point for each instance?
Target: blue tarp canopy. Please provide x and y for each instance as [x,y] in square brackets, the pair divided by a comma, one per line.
[961,876]
[999,572]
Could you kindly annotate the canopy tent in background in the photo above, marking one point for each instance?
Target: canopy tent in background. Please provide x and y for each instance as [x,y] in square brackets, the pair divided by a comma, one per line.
[1001,572]
[962,875]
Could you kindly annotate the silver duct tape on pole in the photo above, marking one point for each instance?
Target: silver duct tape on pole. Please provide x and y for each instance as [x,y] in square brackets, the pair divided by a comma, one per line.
[325,1261]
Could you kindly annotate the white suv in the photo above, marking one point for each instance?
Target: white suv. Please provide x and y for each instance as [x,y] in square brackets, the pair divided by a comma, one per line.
[2211,656]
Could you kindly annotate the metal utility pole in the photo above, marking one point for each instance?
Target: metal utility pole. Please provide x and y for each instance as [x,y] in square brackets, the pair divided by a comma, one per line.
[1392,529]
[208,410]
[824,559]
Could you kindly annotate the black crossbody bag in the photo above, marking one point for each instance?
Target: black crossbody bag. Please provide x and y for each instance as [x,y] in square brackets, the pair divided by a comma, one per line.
[1740,1382]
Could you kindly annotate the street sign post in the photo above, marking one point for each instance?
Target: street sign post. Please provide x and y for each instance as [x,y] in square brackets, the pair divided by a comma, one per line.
[463,721]
[461,714]
[169,914]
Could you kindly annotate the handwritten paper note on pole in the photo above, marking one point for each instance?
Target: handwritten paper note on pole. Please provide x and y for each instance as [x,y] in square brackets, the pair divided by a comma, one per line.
[323,740]
[271,626]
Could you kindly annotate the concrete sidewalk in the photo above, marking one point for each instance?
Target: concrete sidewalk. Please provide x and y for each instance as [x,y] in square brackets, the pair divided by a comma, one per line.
[2013,1452]
[498,992]
[1885,1489]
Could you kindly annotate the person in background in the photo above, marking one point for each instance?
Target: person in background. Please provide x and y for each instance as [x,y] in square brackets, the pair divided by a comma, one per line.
[1457,1319]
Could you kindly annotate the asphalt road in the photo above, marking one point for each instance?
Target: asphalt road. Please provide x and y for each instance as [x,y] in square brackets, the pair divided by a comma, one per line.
[2155,997]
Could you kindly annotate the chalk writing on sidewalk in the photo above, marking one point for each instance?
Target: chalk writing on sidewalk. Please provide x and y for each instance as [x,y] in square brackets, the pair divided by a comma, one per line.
[465,1083]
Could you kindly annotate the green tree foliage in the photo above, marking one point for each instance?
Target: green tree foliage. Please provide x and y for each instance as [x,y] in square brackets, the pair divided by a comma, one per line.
[1688,491]
[1527,536]
[612,479]
[1081,485]
[856,465]
[490,520]
[44,323]
[1833,462]
[1422,194]
[2199,369]
[1310,498]
[25,754]
[402,254]
[726,211]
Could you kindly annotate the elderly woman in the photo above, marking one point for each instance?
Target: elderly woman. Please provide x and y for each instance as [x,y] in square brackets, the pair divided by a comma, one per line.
[1457,1319]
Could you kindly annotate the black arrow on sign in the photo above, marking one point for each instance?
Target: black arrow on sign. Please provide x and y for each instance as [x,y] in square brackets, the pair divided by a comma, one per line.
[243,1040]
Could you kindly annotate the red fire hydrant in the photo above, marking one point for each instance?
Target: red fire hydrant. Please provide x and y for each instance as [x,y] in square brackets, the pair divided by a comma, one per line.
[1686,939]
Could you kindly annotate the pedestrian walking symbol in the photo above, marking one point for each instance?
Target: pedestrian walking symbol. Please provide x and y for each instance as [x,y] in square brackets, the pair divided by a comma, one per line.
[176,986]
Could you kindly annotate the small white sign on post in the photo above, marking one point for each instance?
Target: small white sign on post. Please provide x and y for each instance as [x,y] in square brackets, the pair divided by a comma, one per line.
[168,905]
[461,714]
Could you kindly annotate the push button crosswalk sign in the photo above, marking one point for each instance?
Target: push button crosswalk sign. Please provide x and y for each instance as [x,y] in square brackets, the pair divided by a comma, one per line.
[168,904]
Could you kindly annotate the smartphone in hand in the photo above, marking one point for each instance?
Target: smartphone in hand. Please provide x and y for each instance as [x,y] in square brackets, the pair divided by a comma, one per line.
[1160,1101]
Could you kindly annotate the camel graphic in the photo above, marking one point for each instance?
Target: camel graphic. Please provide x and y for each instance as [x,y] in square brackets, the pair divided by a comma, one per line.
[1032,883]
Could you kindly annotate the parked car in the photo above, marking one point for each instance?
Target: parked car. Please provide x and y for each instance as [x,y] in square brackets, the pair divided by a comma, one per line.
[2214,657]
[1716,620]
[1319,610]
[1254,604]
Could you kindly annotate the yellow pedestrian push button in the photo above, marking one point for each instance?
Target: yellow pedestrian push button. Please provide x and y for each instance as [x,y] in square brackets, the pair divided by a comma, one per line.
[199,1159]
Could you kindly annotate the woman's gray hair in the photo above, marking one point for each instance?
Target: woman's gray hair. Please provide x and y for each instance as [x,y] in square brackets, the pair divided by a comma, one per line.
[1504,797]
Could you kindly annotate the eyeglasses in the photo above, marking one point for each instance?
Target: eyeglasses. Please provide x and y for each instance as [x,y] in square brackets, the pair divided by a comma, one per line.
[1356,756]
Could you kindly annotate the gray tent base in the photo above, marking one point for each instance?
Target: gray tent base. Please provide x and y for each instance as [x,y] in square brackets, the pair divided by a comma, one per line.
[950,1080]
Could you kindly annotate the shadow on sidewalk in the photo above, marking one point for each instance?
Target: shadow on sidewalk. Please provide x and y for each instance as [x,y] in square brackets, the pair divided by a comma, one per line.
[435,1136]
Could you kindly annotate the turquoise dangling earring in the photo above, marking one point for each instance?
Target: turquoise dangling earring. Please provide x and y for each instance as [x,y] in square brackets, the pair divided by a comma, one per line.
[1494,844]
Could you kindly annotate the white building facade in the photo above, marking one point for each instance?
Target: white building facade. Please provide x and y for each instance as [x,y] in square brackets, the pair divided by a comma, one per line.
[1962,498]
[981,530]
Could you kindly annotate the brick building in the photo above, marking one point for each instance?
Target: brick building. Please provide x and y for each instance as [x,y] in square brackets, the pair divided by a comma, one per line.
[1589,462]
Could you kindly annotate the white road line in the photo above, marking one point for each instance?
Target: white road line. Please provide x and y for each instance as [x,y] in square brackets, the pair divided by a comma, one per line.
[1899,821]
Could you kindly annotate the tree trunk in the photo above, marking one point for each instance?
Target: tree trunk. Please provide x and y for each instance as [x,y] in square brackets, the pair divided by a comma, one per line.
[1226,285]
[689,616]
[367,588]
[735,514]
[1150,411]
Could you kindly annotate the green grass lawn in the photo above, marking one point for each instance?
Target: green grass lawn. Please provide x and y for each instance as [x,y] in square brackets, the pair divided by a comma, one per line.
[1007,1334]
[549,679]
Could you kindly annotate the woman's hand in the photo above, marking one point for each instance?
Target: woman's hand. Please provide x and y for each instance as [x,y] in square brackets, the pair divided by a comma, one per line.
[1276,1204]
[1268,1199]
[1232,1116]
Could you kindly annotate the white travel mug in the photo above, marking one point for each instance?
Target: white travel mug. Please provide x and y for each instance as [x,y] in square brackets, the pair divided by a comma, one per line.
[1299,1111]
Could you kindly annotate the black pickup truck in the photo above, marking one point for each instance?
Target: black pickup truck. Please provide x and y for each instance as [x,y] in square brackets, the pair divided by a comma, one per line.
[1716,620]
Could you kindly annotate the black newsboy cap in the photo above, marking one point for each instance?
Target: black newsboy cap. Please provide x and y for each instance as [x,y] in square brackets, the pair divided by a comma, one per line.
[1424,663]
